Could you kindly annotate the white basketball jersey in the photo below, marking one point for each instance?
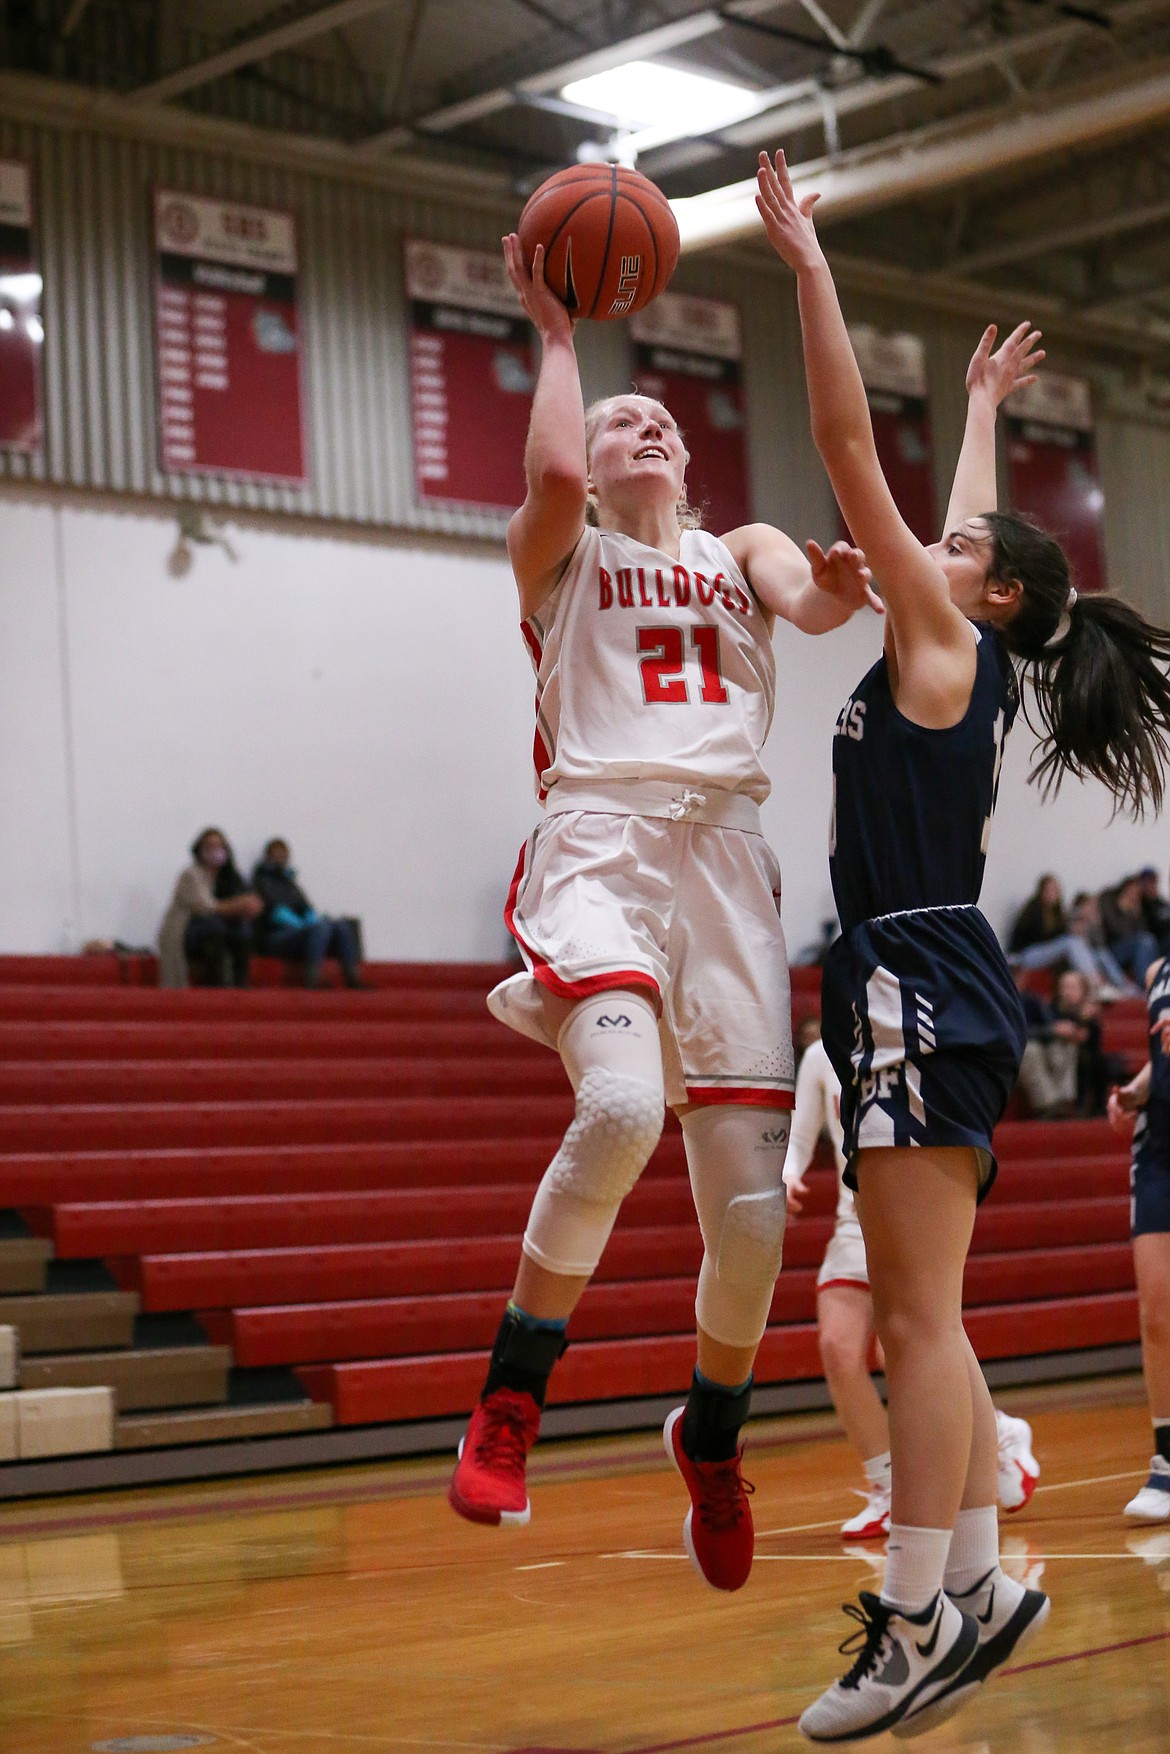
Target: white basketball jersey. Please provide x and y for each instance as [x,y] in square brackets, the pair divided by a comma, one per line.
[648,669]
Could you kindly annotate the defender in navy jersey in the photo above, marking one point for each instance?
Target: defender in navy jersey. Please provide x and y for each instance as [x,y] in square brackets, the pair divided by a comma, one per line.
[920,1016]
[1148,1098]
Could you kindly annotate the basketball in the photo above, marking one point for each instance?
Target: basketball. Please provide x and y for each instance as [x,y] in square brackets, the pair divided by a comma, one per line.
[610,239]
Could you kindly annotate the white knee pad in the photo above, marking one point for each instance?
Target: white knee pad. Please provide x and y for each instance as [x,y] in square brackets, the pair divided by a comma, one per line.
[610,1048]
[736,1160]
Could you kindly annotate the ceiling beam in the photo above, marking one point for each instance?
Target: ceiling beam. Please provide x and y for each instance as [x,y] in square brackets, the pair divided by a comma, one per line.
[503,97]
[256,48]
[908,166]
[1067,237]
[801,107]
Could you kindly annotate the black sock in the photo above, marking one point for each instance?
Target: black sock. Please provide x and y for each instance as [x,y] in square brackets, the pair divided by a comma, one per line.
[523,1357]
[713,1417]
[1162,1438]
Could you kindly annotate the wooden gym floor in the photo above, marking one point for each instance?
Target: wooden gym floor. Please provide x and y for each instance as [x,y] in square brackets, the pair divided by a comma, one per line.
[350,1610]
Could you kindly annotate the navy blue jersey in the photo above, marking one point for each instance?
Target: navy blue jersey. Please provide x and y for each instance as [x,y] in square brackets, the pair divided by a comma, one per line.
[912,807]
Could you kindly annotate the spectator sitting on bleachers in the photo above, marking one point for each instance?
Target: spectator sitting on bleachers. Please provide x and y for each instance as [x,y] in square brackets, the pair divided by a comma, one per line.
[1048,1069]
[1044,936]
[1073,1005]
[292,928]
[1126,931]
[209,921]
[1155,908]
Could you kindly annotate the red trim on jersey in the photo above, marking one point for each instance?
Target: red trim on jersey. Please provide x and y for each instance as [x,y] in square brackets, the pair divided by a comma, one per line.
[582,989]
[860,1284]
[531,641]
[708,1095]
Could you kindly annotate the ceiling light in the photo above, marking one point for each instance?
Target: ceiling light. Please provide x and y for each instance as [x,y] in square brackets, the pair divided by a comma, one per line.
[645,96]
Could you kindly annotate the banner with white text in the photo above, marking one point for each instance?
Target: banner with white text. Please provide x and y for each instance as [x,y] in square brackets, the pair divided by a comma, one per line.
[229,351]
[22,332]
[893,370]
[1052,465]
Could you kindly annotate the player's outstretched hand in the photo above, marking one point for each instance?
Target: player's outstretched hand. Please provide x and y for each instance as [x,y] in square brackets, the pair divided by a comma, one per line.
[548,314]
[797,1192]
[787,220]
[1011,367]
[1119,1118]
[843,574]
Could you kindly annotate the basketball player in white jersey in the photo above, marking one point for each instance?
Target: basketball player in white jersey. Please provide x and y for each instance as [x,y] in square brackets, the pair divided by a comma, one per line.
[646,907]
[845,1321]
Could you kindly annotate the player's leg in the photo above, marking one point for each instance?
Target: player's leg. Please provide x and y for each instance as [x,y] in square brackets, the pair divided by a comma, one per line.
[735,1156]
[1151,1256]
[916,1641]
[610,1048]
[845,1333]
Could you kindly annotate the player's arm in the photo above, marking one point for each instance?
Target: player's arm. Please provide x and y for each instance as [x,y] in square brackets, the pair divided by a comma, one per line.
[932,639]
[990,377]
[807,1118]
[1126,1099]
[815,591]
[544,532]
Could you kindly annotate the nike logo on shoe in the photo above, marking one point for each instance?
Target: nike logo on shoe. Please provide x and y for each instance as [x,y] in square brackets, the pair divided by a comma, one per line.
[985,1619]
[927,1649]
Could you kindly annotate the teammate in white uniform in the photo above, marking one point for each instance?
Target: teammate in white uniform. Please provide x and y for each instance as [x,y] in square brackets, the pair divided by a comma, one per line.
[646,907]
[845,1325]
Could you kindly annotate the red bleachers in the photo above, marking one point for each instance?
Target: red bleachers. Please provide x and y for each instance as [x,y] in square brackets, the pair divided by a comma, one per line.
[338,1181]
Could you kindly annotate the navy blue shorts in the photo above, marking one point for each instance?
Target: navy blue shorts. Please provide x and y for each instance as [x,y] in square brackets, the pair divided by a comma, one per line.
[924,1027]
[1149,1173]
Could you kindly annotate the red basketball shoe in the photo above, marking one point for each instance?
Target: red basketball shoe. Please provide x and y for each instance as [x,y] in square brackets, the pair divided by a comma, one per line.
[718,1532]
[488,1485]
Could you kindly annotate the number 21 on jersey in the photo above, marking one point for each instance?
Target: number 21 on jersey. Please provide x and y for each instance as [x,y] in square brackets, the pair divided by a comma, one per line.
[664,662]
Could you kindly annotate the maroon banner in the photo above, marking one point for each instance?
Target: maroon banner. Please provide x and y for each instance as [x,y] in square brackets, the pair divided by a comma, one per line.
[22,331]
[893,369]
[1052,465]
[229,360]
[688,356]
[471,377]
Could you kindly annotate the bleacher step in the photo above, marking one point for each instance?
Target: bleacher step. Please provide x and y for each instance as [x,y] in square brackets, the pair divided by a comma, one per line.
[23,1263]
[147,1377]
[69,1321]
[220,1424]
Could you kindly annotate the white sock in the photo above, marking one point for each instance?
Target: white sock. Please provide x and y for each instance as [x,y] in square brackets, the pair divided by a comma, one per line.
[974,1549]
[915,1562]
[877,1471]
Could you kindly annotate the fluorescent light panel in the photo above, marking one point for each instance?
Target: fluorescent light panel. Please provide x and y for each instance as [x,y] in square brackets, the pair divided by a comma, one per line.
[645,96]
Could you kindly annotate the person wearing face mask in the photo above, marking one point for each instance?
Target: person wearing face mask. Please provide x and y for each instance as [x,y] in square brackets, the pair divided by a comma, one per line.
[292,927]
[209,921]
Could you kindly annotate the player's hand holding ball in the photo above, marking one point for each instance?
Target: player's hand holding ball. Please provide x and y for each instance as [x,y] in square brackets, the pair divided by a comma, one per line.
[544,309]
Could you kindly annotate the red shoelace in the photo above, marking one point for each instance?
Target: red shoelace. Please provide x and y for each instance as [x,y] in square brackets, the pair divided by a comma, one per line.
[723,1494]
[503,1439]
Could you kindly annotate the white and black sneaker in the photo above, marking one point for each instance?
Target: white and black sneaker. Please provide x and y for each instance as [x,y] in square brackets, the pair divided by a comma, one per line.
[1007,1617]
[1152,1503]
[902,1663]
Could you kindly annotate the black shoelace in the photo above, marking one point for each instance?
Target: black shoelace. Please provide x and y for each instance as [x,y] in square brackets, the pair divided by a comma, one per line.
[874,1619]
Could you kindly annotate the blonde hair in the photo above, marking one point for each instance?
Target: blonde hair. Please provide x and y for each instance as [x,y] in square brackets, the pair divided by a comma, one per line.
[689,517]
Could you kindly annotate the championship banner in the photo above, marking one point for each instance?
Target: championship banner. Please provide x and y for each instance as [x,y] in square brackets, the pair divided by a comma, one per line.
[1052,466]
[688,355]
[22,331]
[229,360]
[471,377]
[893,370]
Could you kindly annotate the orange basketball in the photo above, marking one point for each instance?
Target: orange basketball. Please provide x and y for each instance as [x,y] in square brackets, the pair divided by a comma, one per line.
[610,239]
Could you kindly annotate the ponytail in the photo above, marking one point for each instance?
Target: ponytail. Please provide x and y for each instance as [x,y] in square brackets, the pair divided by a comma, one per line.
[1100,687]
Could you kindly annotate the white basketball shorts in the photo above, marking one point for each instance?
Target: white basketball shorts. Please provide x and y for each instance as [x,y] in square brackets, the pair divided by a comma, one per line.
[845,1262]
[688,913]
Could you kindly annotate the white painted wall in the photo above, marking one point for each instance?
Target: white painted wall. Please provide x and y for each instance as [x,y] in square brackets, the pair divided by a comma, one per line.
[373,702]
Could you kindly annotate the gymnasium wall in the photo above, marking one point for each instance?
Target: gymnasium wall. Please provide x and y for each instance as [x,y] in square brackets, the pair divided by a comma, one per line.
[371,700]
[355,680]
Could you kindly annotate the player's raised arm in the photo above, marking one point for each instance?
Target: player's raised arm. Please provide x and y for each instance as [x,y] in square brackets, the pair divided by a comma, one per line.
[930,636]
[990,377]
[546,529]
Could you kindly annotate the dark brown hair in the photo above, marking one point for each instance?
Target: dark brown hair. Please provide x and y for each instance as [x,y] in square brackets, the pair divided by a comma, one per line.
[1100,689]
